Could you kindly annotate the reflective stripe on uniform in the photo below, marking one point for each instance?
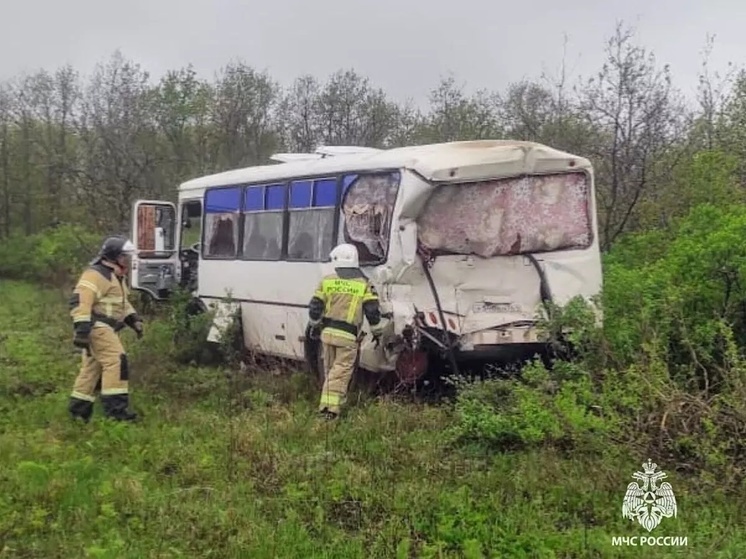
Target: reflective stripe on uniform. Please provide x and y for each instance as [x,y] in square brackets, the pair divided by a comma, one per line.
[330,399]
[340,333]
[352,308]
[81,396]
[88,285]
[109,303]
[114,391]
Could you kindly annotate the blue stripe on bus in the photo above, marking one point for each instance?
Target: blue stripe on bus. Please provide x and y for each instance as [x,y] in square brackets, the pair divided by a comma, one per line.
[254,198]
[222,200]
[300,194]
[275,197]
[325,193]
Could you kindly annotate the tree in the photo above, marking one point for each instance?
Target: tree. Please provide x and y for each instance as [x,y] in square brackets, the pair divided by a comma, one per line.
[639,122]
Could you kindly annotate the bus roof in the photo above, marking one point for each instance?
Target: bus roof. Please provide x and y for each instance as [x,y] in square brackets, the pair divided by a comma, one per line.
[445,162]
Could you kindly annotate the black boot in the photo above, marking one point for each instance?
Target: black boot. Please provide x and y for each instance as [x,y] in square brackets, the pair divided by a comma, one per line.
[328,415]
[116,407]
[82,409]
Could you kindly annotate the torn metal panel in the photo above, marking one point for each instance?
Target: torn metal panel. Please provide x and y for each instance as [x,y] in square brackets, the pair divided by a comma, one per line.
[509,216]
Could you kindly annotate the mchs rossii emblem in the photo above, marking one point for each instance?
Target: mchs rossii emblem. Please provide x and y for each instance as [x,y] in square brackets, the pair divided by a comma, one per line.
[650,503]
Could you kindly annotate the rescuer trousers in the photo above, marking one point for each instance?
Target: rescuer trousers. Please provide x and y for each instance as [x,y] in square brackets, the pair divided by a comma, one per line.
[340,361]
[106,367]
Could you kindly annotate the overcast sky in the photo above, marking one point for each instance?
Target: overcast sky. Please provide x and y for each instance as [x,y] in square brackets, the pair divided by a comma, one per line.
[404,46]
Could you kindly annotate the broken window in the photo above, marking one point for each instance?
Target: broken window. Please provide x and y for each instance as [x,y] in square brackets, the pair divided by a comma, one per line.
[367,210]
[150,217]
[222,207]
[509,216]
[312,206]
[263,218]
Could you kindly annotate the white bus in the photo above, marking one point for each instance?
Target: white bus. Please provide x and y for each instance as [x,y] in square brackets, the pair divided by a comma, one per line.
[464,241]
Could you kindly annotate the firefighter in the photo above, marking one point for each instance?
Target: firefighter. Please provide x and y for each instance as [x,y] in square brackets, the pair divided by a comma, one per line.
[100,308]
[336,309]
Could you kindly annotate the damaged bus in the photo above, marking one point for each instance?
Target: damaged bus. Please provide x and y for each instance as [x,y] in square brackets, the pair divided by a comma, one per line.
[464,242]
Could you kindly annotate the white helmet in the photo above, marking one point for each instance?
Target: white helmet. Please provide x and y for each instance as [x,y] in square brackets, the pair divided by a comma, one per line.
[128,248]
[344,256]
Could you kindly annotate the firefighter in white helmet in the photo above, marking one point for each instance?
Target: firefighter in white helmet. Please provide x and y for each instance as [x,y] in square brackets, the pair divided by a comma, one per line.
[100,308]
[337,309]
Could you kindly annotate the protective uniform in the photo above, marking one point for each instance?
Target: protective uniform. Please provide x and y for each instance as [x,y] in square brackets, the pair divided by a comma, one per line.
[100,308]
[337,308]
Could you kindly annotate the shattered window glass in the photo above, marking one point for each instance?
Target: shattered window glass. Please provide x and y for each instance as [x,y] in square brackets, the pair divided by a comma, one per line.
[149,217]
[221,235]
[509,216]
[221,222]
[367,211]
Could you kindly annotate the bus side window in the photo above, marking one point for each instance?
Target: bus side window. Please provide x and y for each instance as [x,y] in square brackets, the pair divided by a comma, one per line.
[191,224]
[367,210]
[264,207]
[311,213]
[221,222]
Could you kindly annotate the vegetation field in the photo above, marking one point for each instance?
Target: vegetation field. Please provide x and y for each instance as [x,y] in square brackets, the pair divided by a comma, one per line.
[234,463]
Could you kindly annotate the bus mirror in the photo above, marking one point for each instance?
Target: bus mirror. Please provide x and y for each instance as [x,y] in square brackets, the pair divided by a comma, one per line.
[408,239]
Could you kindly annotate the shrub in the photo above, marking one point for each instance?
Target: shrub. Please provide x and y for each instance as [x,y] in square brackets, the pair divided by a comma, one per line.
[53,257]
[664,375]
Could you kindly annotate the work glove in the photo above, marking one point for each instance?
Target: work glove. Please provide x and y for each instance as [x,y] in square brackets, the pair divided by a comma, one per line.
[135,322]
[376,337]
[137,327]
[378,330]
[314,329]
[82,336]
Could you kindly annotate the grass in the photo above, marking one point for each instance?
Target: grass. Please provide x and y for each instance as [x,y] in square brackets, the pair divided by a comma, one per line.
[239,466]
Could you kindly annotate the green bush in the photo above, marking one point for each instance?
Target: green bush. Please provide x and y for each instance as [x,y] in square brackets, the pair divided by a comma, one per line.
[665,374]
[689,299]
[54,256]
[558,408]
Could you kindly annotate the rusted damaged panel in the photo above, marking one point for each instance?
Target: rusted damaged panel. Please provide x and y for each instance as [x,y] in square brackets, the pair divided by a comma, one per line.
[368,209]
[509,216]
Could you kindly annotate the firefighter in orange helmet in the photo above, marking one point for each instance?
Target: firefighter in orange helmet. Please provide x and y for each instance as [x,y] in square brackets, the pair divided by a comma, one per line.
[100,308]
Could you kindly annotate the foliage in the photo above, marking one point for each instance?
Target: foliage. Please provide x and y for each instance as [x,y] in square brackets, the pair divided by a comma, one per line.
[81,150]
[688,297]
[53,256]
[663,375]
[236,467]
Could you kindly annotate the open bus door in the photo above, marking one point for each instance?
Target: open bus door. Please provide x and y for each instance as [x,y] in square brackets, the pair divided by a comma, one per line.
[156,267]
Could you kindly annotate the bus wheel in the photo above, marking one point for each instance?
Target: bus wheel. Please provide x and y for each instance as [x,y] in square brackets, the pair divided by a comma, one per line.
[411,365]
